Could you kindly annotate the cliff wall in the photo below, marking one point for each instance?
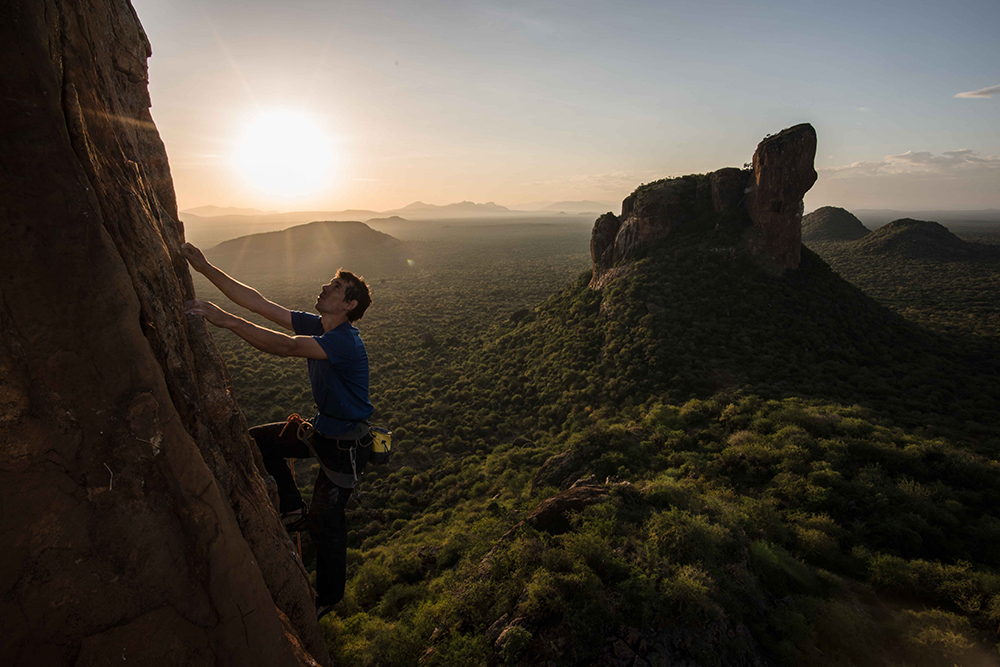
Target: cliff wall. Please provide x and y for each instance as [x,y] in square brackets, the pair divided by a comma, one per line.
[135,524]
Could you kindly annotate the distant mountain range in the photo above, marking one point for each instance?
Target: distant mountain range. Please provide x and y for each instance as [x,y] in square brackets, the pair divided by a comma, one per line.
[211,211]
[418,210]
[209,225]
[585,206]
[463,209]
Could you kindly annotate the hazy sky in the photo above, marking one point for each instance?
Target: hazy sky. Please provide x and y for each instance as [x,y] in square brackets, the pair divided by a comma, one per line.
[519,102]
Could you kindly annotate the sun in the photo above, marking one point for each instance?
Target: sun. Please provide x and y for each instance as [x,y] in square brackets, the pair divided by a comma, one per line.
[285,153]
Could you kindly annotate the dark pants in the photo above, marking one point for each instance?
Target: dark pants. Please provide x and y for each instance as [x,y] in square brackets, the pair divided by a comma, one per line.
[327,519]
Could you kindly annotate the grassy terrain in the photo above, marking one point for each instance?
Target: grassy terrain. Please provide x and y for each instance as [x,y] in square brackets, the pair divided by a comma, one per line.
[790,473]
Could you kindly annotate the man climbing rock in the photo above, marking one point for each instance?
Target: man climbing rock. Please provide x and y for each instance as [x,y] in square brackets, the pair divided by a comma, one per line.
[340,436]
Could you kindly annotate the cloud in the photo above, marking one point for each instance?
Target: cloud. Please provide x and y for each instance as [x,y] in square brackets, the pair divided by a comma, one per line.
[950,163]
[982,92]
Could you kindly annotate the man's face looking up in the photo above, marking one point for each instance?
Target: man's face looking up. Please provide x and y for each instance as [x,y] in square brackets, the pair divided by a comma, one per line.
[331,298]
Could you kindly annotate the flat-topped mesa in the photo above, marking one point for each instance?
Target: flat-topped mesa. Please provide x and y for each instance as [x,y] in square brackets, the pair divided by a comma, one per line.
[765,203]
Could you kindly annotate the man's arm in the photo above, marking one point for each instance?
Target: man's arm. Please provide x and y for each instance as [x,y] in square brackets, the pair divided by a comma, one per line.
[265,340]
[237,292]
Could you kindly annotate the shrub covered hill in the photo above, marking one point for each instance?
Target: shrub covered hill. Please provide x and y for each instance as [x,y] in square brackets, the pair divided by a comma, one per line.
[832,223]
[924,271]
[705,451]
[314,250]
[920,239]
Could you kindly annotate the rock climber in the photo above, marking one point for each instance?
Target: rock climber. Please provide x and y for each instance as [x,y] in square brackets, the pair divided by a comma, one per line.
[340,437]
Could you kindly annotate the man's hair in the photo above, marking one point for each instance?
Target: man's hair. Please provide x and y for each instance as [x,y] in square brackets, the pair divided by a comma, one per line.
[356,290]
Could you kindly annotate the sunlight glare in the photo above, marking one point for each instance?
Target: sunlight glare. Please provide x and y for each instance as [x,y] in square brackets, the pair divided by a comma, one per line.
[285,153]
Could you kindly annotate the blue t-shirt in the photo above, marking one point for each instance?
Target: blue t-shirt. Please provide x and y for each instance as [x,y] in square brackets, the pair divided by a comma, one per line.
[339,382]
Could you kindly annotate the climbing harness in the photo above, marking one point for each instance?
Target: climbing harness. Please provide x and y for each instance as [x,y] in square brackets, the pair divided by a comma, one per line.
[305,432]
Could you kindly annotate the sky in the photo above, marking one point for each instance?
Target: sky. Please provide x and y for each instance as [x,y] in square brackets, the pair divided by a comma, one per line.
[325,105]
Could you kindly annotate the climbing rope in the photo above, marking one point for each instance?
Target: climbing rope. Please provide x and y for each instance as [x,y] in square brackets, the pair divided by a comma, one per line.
[304,428]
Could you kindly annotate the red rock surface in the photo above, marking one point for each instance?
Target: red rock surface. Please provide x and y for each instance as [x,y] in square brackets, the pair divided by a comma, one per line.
[782,174]
[135,524]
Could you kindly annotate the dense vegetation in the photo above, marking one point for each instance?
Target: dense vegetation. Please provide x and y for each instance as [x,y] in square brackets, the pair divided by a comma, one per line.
[831,223]
[921,239]
[954,290]
[789,473]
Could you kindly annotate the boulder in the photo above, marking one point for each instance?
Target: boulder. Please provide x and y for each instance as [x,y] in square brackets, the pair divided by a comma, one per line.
[552,514]
[136,525]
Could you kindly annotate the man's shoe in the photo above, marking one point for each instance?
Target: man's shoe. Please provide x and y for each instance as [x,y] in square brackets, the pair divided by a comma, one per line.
[322,610]
[295,522]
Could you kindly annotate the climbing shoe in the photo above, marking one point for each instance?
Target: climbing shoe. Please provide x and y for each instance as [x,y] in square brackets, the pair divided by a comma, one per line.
[295,522]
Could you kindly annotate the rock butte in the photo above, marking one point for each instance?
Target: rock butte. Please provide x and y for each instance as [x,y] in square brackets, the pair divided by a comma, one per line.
[135,525]
[766,201]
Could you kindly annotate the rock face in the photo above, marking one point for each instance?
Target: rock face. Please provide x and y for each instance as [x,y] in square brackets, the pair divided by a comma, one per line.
[783,173]
[135,524]
[765,202]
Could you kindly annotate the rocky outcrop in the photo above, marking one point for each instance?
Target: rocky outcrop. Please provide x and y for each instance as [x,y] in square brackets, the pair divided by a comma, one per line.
[765,203]
[782,174]
[135,524]
[552,514]
[602,240]
[728,187]
[559,470]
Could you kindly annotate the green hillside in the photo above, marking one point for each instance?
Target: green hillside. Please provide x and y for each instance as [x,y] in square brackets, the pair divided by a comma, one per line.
[831,223]
[928,274]
[918,239]
[789,463]
[769,470]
